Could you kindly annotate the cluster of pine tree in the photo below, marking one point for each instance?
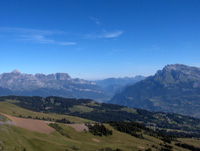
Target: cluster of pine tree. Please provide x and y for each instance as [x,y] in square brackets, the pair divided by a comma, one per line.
[131,128]
[187,146]
[99,129]
[137,130]
[63,120]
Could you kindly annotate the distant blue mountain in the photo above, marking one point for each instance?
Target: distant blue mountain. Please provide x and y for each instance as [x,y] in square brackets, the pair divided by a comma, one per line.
[116,85]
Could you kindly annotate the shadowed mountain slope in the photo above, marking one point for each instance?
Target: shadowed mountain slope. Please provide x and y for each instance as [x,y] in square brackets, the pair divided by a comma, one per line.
[175,89]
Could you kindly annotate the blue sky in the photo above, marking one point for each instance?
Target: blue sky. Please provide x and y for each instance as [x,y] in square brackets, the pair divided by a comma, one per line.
[95,39]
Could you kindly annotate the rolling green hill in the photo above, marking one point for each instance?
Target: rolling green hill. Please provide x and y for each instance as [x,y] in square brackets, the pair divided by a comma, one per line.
[11,109]
[57,108]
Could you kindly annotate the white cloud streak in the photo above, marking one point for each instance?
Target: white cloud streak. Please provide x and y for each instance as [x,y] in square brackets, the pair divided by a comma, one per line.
[112,34]
[36,36]
[104,34]
[66,43]
[28,31]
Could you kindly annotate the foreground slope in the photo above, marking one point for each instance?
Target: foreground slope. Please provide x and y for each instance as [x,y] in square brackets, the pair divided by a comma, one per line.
[66,138]
[175,89]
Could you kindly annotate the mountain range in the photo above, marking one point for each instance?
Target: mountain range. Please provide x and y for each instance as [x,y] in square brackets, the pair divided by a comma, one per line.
[175,88]
[59,84]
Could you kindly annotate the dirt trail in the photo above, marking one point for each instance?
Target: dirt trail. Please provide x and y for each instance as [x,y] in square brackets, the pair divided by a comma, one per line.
[30,124]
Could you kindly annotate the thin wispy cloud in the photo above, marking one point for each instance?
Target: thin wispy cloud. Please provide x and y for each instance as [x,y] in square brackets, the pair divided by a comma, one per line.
[66,43]
[43,40]
[112,34]
[36,36]
[96,21]
[104,34]
[28,31]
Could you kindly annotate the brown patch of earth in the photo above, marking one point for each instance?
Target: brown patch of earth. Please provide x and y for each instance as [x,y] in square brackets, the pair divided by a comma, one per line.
[141,147]
[48,122]
[95,140]
[31,124]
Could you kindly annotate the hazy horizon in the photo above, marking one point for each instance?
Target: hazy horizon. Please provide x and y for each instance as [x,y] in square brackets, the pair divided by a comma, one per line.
[15,70]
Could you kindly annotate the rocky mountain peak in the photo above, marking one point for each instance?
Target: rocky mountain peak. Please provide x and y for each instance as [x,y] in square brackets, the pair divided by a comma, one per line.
[62,76]
[57,76]
[180,67]
[181,70]
[16,71]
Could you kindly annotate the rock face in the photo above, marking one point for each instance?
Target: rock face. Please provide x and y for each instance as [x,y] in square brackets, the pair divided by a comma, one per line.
[59,84]
[176,89]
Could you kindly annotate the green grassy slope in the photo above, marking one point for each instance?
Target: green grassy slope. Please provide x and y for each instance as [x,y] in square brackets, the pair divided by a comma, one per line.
[11,109]
[15,138]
